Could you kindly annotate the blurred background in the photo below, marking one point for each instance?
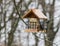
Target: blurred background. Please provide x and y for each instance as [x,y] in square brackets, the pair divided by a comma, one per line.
[12,26]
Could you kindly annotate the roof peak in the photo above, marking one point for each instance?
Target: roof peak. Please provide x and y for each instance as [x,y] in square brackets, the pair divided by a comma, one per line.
[37,13]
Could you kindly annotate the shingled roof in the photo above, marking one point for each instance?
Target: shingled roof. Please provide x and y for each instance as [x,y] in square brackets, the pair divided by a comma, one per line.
[36,13]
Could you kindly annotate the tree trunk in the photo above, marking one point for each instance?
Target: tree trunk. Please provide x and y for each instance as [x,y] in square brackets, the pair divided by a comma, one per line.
[13,29]
[50,33]
[36,39]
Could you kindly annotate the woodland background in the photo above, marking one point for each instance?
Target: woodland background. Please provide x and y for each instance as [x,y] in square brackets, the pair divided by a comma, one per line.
[12,26]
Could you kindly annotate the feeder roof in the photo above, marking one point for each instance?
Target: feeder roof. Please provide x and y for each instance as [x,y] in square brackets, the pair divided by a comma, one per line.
[34,12]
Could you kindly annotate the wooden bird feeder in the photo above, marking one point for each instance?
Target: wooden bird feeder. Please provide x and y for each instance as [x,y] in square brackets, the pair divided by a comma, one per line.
[34,16]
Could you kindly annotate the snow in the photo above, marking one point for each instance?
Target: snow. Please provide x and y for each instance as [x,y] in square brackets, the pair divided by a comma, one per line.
[22,26]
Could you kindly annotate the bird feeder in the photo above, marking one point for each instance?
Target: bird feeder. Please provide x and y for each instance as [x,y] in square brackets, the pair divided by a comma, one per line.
[34,16]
